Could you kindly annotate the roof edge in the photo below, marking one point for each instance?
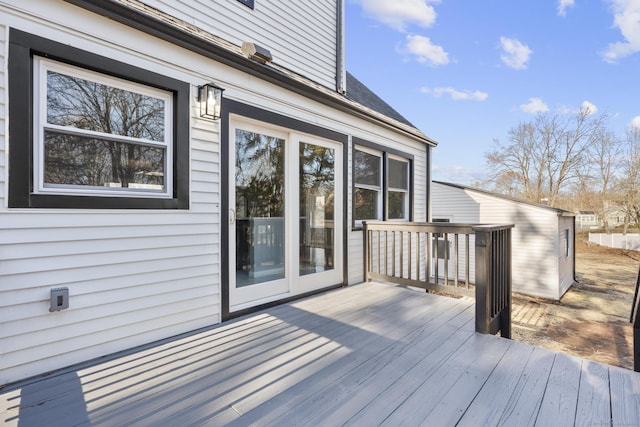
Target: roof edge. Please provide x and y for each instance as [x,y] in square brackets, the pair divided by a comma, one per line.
[560,212]
[159,24]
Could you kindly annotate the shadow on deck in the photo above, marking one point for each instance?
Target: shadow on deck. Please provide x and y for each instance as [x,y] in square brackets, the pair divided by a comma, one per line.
[368,354]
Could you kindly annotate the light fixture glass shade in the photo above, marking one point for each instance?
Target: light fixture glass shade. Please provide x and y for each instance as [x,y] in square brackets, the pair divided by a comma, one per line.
[210,100]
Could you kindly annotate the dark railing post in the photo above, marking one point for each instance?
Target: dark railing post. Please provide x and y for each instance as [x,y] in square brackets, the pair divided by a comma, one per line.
[483,289]
[493,280]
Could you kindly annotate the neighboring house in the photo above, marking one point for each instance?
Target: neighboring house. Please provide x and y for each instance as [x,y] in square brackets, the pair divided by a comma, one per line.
[543,239]
[129,215]
[615,218]
[587,220]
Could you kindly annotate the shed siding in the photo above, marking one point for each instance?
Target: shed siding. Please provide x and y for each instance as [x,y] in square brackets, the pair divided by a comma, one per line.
[301,36]
[566,263]
[535,240]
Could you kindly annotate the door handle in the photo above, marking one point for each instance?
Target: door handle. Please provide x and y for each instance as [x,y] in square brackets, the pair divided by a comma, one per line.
[232,216]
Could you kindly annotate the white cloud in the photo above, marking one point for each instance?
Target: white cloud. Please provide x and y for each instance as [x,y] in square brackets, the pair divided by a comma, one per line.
[424,51]
[514,54]
[398,14]
[534,106]
[626,17]
[588,107]
[634,124]
[563,5]
[456,95]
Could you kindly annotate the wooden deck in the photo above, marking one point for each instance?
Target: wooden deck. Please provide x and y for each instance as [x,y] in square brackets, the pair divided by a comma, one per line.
[366,355]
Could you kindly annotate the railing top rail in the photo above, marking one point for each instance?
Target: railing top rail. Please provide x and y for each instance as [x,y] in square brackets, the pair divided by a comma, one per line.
[492,227]
[434,227]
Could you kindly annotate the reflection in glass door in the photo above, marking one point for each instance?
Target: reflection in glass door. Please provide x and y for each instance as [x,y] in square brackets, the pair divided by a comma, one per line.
[260,208]
[317,207]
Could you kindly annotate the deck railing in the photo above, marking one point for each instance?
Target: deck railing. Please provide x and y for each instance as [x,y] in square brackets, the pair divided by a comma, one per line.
[635,321]
[436,257]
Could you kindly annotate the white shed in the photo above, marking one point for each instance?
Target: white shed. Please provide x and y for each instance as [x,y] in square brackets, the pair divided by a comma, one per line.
[543,239]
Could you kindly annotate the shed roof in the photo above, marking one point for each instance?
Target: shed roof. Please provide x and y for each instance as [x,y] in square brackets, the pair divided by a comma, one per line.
[560,212]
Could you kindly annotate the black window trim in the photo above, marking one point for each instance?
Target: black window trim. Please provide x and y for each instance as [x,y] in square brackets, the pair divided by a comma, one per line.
[23,47]
[385,152]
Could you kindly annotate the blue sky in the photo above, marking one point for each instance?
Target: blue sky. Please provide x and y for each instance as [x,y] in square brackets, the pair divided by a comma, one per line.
[466,71]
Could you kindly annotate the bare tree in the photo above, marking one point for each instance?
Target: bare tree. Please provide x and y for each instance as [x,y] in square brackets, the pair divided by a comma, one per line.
[595,189]
[82,158]
[629,183]
[545,155]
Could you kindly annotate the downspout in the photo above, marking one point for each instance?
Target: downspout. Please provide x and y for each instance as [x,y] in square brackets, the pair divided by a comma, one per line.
[341,73]
[428,207]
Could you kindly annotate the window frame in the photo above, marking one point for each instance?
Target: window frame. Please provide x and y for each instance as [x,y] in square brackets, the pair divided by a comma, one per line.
[405,191]
[23,139]
[386,153]
[41,125]
[379,189]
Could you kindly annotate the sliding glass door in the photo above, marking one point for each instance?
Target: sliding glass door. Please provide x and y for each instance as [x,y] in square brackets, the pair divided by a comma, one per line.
[286,214]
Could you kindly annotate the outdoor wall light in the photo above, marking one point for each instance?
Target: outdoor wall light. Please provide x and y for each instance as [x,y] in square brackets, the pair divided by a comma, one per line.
[210,100]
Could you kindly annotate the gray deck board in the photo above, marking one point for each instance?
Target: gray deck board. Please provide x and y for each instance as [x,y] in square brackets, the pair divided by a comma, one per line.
[625,397]
[369,354]
[484,408]
[560,400]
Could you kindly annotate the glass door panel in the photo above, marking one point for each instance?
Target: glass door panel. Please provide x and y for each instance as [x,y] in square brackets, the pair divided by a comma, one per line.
[260,187]
[258,229]
[317,208]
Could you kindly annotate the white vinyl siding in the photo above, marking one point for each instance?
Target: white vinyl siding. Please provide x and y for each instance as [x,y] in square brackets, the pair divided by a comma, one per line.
[536,238]
[301,36]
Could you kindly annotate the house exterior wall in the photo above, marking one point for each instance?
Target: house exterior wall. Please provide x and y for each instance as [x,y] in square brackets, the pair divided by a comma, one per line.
[136,276]
[312,52]
[535,237]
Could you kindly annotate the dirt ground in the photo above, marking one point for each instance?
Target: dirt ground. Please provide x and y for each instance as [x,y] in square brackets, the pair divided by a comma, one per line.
[592,318]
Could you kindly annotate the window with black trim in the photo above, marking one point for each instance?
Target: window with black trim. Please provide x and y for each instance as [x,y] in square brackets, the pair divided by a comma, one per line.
[381,184]
[91,132]
[398,188]
[367,179]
